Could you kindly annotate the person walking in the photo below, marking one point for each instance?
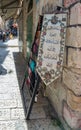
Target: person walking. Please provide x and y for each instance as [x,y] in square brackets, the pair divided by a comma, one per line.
[4,36]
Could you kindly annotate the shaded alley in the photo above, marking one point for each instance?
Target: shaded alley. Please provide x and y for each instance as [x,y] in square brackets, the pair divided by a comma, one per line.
[12,114]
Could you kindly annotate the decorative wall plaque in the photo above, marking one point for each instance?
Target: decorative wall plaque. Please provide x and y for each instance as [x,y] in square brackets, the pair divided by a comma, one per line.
[51,48]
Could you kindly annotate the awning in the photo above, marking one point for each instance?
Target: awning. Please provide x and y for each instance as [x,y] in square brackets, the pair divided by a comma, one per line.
[9,8]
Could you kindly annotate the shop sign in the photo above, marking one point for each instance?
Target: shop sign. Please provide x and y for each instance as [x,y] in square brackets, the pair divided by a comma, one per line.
[51,48]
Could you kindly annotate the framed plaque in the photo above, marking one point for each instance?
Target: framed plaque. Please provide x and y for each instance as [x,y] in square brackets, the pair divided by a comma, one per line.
[51,47]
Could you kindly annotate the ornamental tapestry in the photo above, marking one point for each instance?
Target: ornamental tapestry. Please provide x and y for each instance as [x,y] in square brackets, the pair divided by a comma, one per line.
[51,48]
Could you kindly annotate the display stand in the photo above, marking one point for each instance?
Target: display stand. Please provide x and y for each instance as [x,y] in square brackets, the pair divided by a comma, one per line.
[31,78]
[33,97]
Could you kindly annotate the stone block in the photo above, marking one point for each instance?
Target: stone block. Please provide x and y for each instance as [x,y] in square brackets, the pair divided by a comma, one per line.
[20,103]
[52,95]
[4,114]
[72,118]
[37,113]
[74,101]
[72,80]
[56,93]
[8,103]
[74,58]
[17,114]
[10,96]
[13,125]
[73,37]
[75,14]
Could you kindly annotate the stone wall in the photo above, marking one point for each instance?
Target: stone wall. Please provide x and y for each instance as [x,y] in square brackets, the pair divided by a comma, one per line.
[72,69]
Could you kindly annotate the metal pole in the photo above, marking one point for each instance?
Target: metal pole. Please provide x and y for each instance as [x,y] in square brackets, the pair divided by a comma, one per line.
[33,97]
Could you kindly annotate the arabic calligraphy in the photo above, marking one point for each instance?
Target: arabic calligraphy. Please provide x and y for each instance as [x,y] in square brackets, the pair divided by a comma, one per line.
[52,41]
[51,48]
[50,56]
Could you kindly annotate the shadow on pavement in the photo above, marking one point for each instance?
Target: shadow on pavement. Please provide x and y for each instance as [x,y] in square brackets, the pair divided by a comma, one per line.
[43,115]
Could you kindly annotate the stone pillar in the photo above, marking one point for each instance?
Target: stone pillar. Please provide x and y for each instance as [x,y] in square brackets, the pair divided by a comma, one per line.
[24,49]
[72,70]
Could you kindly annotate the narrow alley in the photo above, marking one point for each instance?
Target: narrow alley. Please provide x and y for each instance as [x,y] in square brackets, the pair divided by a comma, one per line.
[40,64]
[12,113]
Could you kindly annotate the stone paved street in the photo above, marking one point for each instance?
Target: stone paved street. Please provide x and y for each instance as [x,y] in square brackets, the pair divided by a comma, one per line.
[12,113]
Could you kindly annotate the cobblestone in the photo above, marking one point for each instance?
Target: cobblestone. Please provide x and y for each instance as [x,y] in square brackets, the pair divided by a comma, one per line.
[12,112]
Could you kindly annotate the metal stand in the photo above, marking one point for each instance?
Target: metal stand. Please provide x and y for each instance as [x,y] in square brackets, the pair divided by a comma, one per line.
[33,98]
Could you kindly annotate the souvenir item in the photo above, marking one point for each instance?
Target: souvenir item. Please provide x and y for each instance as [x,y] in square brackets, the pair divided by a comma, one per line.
[51,47]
